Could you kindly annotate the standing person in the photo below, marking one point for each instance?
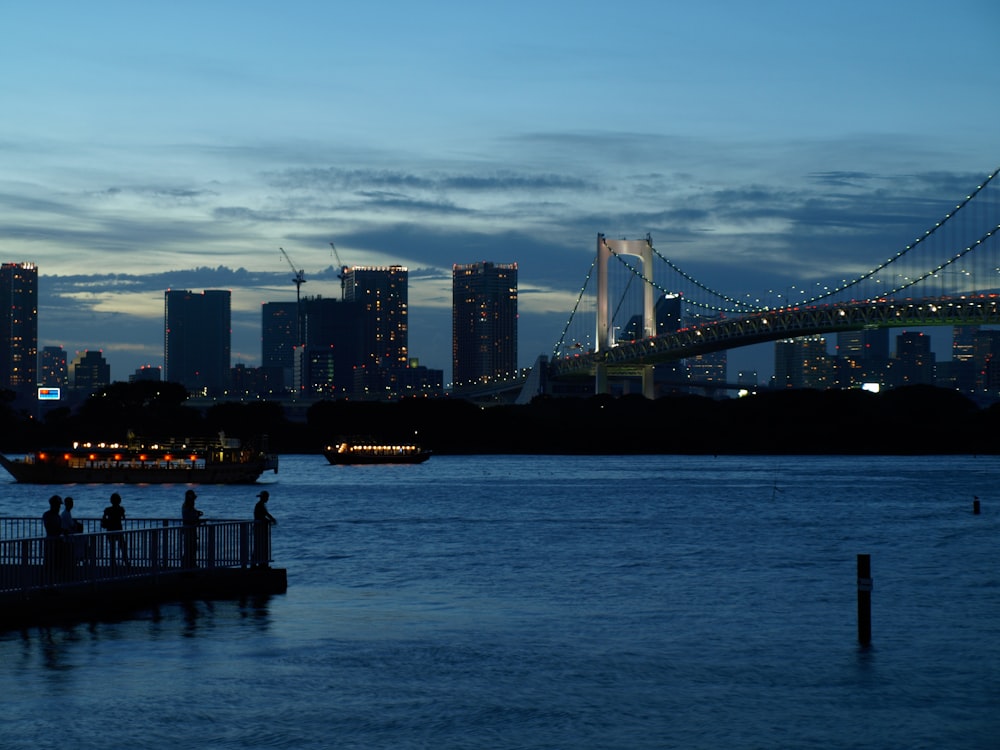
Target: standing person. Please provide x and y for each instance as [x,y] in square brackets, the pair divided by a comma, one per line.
[191,518]
[71,526]
[261,531]
[53,550]
[111,521]
[51,519]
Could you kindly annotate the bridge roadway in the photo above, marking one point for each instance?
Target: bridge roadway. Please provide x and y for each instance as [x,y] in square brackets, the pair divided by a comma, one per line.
[782,323]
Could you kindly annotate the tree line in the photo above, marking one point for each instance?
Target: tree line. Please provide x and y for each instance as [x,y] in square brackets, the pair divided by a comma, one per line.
[908,420]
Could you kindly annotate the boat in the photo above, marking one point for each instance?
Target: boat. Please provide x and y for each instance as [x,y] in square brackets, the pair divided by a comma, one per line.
[218,460]
[372,452]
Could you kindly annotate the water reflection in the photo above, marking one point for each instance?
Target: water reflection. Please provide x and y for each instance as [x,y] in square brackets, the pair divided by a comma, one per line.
[57,648]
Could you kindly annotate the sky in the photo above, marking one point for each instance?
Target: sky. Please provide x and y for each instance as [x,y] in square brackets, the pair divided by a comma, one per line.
[149,146]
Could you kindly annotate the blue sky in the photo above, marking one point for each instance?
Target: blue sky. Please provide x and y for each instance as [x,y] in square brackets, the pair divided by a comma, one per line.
[147,146]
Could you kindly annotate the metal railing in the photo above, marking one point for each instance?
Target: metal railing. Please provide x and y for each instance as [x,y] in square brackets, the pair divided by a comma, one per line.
[145,547]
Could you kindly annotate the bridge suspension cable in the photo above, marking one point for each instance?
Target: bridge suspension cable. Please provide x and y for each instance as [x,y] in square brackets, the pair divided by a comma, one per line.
[740,306]
[562,337]
[947,263]
[885,264]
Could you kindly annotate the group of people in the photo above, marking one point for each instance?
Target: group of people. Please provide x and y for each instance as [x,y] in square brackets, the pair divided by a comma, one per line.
[62,524]
[57,523]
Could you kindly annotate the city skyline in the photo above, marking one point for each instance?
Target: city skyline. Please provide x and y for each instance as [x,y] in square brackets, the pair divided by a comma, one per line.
[144,152]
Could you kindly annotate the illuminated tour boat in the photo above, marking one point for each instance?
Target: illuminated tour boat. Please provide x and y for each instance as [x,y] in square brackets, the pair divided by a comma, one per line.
[370,452]
[216,461]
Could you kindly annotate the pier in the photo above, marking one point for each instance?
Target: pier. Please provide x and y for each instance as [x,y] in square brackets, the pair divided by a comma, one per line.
[98,573]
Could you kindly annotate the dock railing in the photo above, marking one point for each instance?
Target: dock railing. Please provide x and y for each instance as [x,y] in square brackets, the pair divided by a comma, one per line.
[29,560]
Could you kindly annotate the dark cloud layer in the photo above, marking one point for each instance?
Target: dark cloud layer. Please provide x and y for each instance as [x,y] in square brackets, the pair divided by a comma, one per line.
[742,235]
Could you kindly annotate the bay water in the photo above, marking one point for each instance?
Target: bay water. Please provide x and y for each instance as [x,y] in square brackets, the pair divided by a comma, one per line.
[552,602]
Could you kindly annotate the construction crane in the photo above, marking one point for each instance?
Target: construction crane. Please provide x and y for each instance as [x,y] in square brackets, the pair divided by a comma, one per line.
[343,270]
[299,279]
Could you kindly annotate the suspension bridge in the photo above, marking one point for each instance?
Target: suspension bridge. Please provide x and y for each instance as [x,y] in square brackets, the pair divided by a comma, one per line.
[948,276]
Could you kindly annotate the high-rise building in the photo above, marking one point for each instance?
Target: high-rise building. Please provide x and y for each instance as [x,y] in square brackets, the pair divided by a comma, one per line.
[19,327]
[52,371]
[667,313]
[666,316]
[862,357]
[484,322]
[802,363]
[196,340]
[963,358]
[279,337]
[706,370]
[914,362]
[146,372]
[333,347]
[90,371]
[986,361]
[380,294]
[963,343]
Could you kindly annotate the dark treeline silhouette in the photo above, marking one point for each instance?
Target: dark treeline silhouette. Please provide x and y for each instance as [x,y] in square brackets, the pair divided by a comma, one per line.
[910,420]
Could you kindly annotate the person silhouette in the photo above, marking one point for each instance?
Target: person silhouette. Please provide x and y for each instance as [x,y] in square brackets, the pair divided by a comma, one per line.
[71,526]
[53,547]
[261,533]
[191,518]
[112,520]
[50,518]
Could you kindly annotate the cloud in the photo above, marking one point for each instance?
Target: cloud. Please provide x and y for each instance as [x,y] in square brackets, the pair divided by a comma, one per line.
[743,220]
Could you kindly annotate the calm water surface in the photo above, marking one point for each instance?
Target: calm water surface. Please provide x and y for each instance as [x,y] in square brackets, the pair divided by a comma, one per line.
[553,602]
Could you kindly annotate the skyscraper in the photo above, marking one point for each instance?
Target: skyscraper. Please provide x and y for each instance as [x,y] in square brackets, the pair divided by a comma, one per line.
[196,340]
[802,363]
[962,370]
[90,370]
[862,357]
[986,361]
[381,297]
[914,362]
[667,313]
[333,347]
[279,336]
[52,368]
[19,327]
[484,322]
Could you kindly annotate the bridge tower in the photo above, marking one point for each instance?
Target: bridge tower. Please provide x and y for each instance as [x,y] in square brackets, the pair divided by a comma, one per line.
[642,249]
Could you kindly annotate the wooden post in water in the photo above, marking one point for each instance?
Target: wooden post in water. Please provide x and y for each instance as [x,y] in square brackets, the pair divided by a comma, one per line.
[975,505]
[864,600]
